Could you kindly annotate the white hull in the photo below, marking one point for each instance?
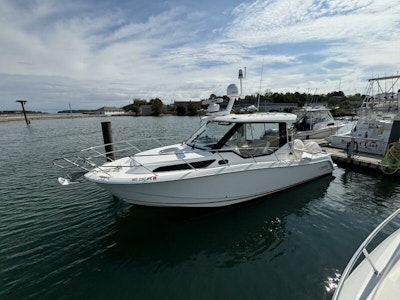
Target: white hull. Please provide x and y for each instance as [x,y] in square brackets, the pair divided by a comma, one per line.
[377,276]
[359,286]
[363,145]
[317,134]
[221,186]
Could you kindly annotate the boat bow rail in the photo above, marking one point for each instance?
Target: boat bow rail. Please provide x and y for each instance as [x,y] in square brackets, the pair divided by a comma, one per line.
[96,156]
[379,263]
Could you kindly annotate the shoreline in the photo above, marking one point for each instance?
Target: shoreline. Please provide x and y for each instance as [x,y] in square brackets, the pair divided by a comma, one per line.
[20,117]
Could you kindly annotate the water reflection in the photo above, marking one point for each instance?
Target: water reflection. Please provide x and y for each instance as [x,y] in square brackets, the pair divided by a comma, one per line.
[380,190]
[331,282]
[228,236]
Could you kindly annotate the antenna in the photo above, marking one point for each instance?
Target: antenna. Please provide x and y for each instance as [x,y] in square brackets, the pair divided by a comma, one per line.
[259,91]
[241,77]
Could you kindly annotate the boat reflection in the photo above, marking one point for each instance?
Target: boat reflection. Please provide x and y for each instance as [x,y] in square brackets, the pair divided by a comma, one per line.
[168,236]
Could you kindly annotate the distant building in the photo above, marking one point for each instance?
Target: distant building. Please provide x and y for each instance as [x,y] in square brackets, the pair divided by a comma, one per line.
[146,110]
[109,111]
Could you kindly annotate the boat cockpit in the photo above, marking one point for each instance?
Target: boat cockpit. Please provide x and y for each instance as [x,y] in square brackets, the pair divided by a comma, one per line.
[245,139]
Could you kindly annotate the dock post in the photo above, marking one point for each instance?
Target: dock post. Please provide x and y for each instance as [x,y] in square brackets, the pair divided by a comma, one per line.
[350,150]
[395,131]
[23,109]
[108,140]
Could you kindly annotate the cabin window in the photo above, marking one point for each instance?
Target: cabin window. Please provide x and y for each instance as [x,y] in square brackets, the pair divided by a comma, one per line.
[247,139]
[185,166]
[255,139]
[210,135]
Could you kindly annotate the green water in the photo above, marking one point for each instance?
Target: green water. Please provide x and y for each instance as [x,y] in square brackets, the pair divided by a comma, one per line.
[79,242]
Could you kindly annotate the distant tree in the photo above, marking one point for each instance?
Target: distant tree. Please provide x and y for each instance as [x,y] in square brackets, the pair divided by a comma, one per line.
[156,106]
[192,109]
[136,110]
[336,94]
[181,110]
[132,108]
[139,102]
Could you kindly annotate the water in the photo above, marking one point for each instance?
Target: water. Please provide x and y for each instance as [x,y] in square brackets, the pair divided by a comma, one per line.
[79,242]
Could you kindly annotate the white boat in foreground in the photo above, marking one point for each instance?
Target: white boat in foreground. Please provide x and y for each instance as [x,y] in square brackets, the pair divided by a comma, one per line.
[228,160]
[378,274]
[316,123]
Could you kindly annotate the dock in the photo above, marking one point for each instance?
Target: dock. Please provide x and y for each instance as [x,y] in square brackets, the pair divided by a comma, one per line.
[364,160]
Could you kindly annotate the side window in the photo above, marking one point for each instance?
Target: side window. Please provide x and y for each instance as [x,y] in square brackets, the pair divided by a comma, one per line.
[255,131]
[261,139]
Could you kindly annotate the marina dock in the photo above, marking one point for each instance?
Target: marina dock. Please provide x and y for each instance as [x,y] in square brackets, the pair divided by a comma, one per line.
[340,156]
[359,160]
[365,161]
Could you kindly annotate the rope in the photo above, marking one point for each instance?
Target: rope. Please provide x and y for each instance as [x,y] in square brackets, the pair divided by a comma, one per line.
[391,162]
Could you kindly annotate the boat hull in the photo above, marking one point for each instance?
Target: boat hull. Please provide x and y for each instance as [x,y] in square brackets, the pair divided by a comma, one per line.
[363,145]
[317,134]
[220,187]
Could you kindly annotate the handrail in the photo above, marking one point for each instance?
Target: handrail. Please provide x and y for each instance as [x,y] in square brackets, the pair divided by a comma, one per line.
[361,250]
[98,155]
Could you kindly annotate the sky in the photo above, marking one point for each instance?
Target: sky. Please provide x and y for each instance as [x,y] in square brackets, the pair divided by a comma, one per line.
[94,53]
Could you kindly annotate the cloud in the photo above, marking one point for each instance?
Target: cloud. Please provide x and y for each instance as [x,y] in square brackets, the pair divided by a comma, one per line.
[93,52]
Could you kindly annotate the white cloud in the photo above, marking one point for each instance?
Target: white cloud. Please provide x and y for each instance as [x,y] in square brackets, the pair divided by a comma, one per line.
[84,52]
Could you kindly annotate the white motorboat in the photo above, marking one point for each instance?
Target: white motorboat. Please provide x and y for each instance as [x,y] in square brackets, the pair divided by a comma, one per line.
[375,127]
[377,276]
[228,160]
[316,123]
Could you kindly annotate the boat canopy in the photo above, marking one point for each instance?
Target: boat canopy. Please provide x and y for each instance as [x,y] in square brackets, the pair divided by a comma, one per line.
[259,118]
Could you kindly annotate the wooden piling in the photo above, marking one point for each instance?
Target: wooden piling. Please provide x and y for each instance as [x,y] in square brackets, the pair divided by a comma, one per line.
[108,140]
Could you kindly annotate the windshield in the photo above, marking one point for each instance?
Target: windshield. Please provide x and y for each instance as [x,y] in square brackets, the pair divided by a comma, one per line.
[246,139]
[208,136]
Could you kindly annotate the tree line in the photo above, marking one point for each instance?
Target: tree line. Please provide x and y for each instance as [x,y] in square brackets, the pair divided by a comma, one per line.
[337,101]
[156,105]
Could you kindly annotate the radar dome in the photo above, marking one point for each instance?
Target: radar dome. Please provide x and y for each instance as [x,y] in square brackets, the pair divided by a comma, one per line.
[232,90]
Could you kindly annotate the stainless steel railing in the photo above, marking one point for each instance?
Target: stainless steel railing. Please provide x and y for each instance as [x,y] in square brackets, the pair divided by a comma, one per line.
[362,250]
[96,156]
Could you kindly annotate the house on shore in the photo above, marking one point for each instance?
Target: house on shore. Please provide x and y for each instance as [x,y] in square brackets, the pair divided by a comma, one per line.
[109,111]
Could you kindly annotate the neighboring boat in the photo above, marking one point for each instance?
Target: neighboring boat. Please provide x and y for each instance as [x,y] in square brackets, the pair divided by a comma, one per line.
[377,276]
[228,160]
[316,123]
[374,128]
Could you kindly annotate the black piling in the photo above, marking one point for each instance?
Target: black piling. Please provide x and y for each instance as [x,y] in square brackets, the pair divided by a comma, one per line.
[108,140]
[395,132]
[23,109]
